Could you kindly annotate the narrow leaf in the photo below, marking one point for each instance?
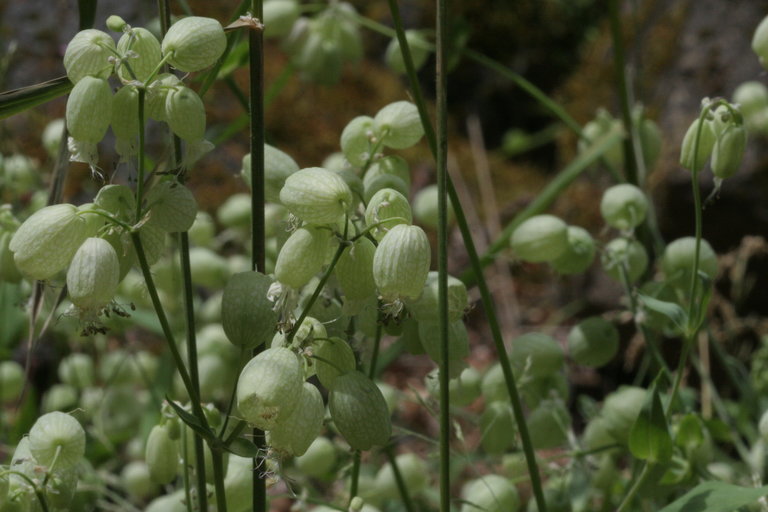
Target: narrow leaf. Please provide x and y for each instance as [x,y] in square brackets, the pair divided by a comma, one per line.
[649,439]
[191,420]
[716,497]
[242,447]
[19,100]
[671,310]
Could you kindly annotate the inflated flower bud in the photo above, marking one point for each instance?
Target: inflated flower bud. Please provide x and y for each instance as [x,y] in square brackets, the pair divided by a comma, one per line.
[88,54]
[399,125]
[185,113]
[11,380]
[677,261]
[57,436]
[624,206]
[246,312]
[46,242]
[729,151]
[51,137]
[354,270]
[125,120]
[77,370]
[194,43]
[8,270]
[458,344]
[356,140]
[172,206]
[268,387]
[359,411]
[319,459]
[316,195]
[141,50]
[381,182]
[279,17]
[498,427]
[116,24]
[419,52]
[629,254]
[425,207]
[425,308]
[302,256]
[389,165]
[89,109]
[401,263]
[339,354]
[752,97]
[386,209]
[93,275]
[491,493]
[540,238]
[157,93]
[578,255]
[162,455]
[706,144]
[294,433]
[278,165]
[593,342]
[760,42]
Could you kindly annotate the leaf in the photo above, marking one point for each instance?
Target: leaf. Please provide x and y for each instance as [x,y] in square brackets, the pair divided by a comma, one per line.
[716,497]
[671,310]
[191,420]
[690,432]
[649,439]
[19,100]
[242,447]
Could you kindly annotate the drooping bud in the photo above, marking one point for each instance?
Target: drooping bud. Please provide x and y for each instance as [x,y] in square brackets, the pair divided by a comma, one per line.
[316,195]
[399,125]
[401,263]
[729,151]
[540,238]
[706,142]
[141,50]
[93,275]
[88,54]
[89,109]
[194,43]
[185,113]
[624,206]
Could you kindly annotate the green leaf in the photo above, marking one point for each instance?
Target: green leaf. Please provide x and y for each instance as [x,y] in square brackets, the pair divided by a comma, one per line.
[19,100]
[716,497]
[671,310]
[191,420]
[690,432]
[242,447]
[649,439]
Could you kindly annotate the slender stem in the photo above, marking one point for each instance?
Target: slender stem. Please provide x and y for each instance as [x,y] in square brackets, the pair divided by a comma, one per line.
[192,362]
[258,236]
[635,487]
[375,353]
[474,259]
[185,474]
[401,487]
[217,458]
[619,64]
[355,477]
[441,73]
[140,160]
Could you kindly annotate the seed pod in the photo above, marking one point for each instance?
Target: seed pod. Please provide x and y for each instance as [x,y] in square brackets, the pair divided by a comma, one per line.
[246,313]
[77,370]
[578,255]
[356,140]
[624,206]
[89,109]
[293,434]
[194,43]
[157,94]
[125,119]
[268,387]
[88,54]
[319,459]
[316,195]
[677,262]
[278,165]
[58,436]
[419,52]
[185,113]
[540,238]
[359,411]
[93,275]
[498,428]
[144,54]
[425,308]
[706,144]
[172,206]
[593,342]
[399,125]
[354,270]
[729,151]
[162,455]
[401,263]
[279,17]
[339,354]
[46,242]
[302,256]
[626,253]
[540,353]
[490,493]
[11,380]
[384,205]
[760,42]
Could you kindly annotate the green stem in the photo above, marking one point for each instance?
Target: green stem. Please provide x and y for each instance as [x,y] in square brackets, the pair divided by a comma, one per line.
[635,488]
[485,294]
[258,235]
[442,252]
[401,487]
[355,477]
[217,458]
[189,311]
[140,160]
[375,354]
[619,64]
